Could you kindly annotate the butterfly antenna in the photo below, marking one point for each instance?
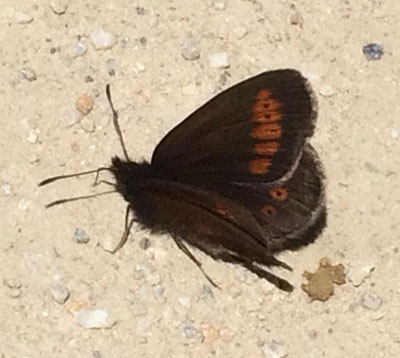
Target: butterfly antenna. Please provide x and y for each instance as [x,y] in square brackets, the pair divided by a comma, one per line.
[116,123]
[68,200]
[58,177]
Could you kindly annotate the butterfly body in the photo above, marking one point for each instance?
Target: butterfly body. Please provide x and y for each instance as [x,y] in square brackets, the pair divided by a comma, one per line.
[237,179]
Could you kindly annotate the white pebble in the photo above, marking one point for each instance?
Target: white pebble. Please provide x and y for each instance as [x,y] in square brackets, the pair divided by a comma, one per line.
[371,301]
[80,236]
[28,74]
[326,91]
[59,293]
[6,188]
[79,49]
[96,318]
[108,243]
[219,60]
[274,349]
[219,5]
[102,40]
[240,32]
[142,324]
[359,274]
[394,133]
[32,138]
[185,301]
[140,67]
[190,50]
[59,7]
[377,315]
[23,18]
[24,204]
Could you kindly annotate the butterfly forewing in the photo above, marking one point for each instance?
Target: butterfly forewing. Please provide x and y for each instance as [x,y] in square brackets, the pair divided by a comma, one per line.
[214,224]
[252,132]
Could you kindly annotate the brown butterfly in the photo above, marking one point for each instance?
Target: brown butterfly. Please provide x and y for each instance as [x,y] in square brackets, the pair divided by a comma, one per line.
[236,179]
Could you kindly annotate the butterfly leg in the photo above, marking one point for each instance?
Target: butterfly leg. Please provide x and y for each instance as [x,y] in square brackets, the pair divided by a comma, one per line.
[187,252]
[270,277]
[127,230]
[260,272]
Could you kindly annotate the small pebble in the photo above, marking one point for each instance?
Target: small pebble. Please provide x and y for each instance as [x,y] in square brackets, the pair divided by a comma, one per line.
[219,60]
[59,7]
[140,10]
[84,103]
[394,133]
[142,324]
[185,301]
[89,79]
[240,32]
[373,51]
[144,243]
[78,49]
[23,18]
[15,293]
[158,290]
[190,50]
[75,306]
[124,41]
[326,91]
[24,204]
[102,40]
[80,236]
[6,188]
[97,354]
[96,318]
[210,333]
[154,279]
[219,5]
[32,138]
[189,331]
[143,41]
[110,65]
[59,293]
[377,315]
[359,274]
[274,349]
[28,74]
[296,19]
[139,310]
[10,283]
[371,301]
[108,243]
[140,67]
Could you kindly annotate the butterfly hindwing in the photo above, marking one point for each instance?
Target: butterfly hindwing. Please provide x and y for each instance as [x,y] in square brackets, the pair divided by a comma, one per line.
[292,213]
[251,132]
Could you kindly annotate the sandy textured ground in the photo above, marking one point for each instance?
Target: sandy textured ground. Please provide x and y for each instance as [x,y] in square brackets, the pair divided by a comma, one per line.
[160,304]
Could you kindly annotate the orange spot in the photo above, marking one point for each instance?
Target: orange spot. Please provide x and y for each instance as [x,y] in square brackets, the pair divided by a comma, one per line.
[268,210]
[259,166]
[223,210]
[266,148]
[266,117]
[267,131]
[266,106]
[279,194]
[263,94]
[265,109]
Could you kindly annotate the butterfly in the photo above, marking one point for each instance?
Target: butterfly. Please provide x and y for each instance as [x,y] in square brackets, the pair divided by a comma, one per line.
[236,179]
